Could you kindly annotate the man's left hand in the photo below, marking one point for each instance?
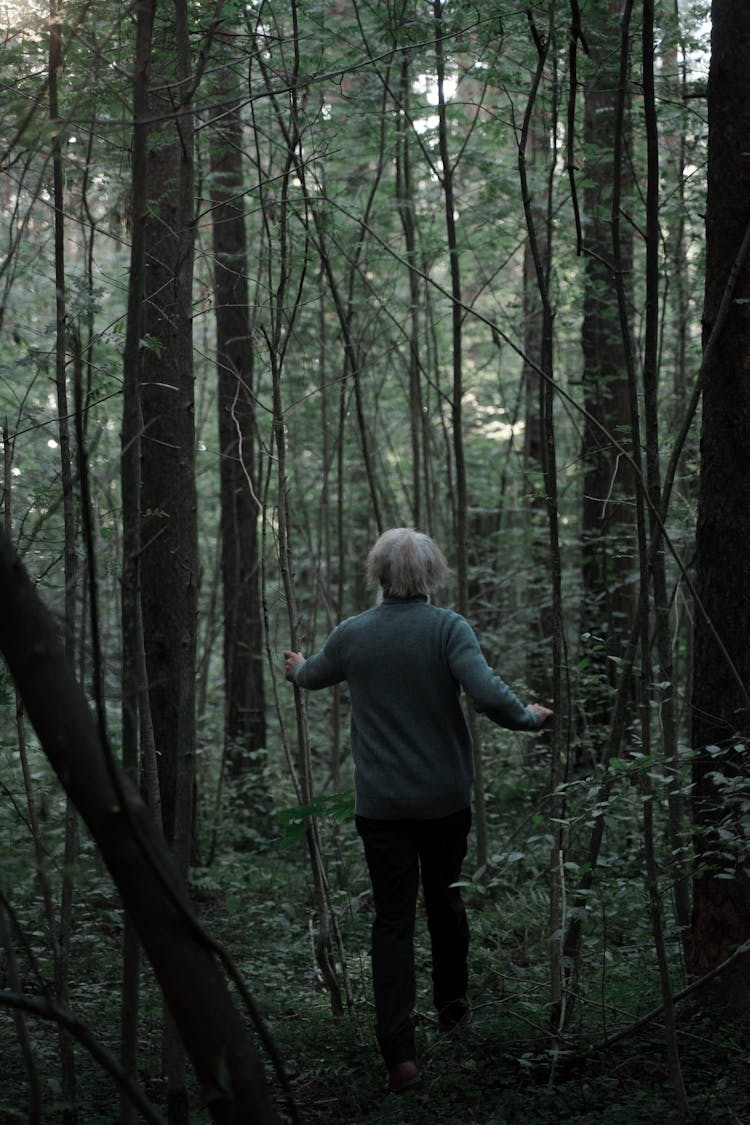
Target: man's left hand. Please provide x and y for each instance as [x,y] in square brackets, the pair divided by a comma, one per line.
[292,660]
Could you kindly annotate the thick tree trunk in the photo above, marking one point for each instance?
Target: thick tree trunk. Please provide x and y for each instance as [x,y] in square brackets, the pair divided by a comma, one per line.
[169,537]
[721,715]
[609,562]
[34,1099]
[245,720]
[168,501]
[152,891]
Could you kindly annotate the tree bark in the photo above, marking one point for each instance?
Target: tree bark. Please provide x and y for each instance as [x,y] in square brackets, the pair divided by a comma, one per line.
[169,537]
[61,943]
[609,561]
[721,714]
[405,196]
[539,249]
[661,687]
[34,1101]
[245,720]
[461,506]
[134,703]
[168,500]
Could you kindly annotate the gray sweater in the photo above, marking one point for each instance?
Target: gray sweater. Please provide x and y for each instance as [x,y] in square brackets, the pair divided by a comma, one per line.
[405,662]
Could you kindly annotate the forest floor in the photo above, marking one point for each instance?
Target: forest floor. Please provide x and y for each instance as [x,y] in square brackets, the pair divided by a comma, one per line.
[502,1067]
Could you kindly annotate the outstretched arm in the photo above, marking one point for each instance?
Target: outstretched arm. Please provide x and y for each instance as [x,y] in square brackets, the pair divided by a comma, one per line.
[321,670]
[490,694]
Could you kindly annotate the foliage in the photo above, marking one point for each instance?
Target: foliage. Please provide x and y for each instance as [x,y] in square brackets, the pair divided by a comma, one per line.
[500,1068]
[344,208]
[336,806]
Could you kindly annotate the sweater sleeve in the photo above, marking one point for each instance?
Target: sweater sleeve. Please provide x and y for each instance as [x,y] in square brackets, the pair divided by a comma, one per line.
[490,695]
[324,668]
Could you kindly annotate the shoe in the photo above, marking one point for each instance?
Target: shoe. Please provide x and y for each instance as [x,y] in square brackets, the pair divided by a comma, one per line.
[452,1015]
[403,1076]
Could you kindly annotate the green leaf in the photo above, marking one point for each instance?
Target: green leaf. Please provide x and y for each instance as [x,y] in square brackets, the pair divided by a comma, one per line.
[333,806]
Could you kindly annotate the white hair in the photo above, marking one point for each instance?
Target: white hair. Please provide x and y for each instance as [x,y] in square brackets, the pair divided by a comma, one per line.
[405,562]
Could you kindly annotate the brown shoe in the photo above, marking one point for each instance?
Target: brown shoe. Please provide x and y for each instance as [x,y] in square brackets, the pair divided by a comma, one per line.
[403,1076]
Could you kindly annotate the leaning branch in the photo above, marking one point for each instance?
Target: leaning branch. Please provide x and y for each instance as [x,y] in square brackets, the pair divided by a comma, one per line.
[195,989]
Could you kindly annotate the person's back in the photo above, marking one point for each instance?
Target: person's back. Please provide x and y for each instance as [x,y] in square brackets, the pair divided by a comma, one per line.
[405,662]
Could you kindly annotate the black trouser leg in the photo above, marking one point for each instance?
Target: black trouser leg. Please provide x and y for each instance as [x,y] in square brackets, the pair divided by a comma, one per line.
[395,851]
[442,848]
[391,854]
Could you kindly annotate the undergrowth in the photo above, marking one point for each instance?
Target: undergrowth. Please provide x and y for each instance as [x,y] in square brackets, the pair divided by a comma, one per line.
[503,1067]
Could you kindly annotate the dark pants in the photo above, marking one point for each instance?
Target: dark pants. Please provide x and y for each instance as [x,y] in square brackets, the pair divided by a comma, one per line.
[397,852]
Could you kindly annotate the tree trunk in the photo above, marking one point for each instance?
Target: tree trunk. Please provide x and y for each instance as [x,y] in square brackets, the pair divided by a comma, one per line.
[661,687]
[168,502]
[34,1101]
[609,562]
[461,524]
[408,214]
[169,541]
[245,720]
[647,687]
[61,943]
[134,704]
[539,249]
[721,710]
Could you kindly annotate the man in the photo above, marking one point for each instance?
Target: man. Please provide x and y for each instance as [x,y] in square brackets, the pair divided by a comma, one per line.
[405,662]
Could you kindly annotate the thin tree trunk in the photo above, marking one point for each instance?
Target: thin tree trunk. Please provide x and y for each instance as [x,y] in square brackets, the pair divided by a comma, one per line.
[61,943]
[135,708]
[461,545]
[650,374]
[457,314]
[182,505]
[407,212]
[549,474]
[329,515]
[645,560]
[283,310]
[538,670]
[664,689]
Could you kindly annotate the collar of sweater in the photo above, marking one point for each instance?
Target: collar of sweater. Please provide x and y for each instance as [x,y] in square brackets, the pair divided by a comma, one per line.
[390,599]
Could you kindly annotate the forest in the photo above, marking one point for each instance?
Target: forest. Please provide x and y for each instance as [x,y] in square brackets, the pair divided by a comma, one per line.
[278,275]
